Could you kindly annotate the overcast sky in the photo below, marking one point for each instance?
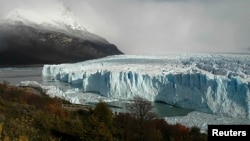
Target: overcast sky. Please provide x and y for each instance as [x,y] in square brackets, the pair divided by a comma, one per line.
[158,26]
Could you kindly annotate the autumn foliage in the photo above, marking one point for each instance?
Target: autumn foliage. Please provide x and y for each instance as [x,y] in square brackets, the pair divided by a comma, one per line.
[29,116]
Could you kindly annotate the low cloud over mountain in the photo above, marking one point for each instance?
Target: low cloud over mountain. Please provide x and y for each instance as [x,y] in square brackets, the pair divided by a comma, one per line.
[28,38]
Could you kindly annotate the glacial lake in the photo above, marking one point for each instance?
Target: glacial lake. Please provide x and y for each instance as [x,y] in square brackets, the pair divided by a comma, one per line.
[15,75]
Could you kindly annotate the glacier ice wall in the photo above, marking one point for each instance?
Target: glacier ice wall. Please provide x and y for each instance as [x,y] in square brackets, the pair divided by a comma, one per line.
[213,83]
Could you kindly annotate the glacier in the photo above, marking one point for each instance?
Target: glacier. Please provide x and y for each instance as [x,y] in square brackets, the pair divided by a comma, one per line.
[71,95]
[212,83]
[202,120]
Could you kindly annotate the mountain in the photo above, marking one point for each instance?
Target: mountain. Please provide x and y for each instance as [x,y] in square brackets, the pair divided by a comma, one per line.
[28,38]
[211,83]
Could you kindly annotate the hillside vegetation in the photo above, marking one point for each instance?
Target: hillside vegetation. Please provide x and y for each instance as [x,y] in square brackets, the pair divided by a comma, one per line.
[28,114]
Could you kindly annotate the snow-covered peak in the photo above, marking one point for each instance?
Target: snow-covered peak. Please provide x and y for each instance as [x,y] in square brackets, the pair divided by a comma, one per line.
[61,19]
[70,19]
[27,17]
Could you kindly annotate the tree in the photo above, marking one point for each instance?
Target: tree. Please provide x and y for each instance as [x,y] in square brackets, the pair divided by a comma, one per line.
[141,109]
[103,113]
[99,124]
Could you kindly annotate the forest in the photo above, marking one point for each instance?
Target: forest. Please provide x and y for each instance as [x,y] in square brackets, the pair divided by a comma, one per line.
[28,114]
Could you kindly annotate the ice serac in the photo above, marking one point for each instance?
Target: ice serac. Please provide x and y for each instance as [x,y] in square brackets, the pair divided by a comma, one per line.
[213,83]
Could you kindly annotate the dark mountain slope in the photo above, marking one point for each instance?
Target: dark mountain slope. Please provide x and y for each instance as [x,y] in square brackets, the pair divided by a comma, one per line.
[26,45]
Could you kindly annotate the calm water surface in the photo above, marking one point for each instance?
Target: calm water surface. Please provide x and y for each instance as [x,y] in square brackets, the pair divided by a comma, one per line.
[16,75]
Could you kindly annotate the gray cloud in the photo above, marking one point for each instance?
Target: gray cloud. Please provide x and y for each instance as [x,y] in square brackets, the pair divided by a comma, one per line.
[159,26]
